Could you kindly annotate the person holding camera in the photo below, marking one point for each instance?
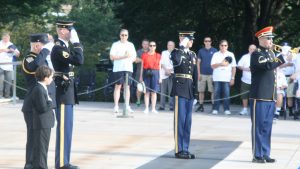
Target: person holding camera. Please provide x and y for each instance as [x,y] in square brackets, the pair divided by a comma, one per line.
[64,57]
[150,76]
[224,68]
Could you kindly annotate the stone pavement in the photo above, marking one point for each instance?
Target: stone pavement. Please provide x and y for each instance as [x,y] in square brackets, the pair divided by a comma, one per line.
[102,141]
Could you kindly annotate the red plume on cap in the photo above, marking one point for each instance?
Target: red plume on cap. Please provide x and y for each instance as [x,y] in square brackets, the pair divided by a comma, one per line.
[265,32]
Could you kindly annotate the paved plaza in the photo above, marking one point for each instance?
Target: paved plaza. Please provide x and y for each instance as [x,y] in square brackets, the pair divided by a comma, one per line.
[102,141]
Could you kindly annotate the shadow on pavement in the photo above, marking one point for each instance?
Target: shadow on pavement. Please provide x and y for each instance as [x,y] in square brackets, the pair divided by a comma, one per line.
[208,153]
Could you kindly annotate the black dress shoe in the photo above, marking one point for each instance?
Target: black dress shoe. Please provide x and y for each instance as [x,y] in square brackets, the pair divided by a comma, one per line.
[161,108]
[258,160]
[269,160]
[181,155]
[191,156]
[69,166]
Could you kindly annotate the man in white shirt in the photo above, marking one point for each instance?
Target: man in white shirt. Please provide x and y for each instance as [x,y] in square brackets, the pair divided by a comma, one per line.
[244,65]
[166,76]
[123,54]
[288,68]
[223,64]
[7,51]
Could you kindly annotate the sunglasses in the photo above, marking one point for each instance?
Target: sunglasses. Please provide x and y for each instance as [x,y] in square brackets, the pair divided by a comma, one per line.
[152,45]
[124,35]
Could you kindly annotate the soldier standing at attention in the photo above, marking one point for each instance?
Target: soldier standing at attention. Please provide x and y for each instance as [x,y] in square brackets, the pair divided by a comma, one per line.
[39,49]
[184,88]
[64,56]
[263,65]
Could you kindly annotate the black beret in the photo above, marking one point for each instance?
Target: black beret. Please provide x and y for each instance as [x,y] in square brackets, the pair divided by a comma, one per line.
[39,37]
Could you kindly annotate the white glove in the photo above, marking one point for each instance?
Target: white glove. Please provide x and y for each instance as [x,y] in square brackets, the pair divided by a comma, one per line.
[48,46]
[184,42]
[74,37]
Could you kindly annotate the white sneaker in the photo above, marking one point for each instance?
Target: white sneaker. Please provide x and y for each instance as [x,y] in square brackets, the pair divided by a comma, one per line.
[129,110]
[116,109]
[244,112]
[154,111]
[214,112]
[227,112]
[146,111]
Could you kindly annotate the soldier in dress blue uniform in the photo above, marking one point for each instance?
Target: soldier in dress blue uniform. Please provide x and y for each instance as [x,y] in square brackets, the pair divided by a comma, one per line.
[263,95]
[184,89]
[64,56]
[40,48]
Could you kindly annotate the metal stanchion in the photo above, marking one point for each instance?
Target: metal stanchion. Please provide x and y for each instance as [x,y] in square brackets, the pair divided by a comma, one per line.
[125,108]
[15,83]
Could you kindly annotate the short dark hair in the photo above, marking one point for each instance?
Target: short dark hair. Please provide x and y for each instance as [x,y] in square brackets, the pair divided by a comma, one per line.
[42,72]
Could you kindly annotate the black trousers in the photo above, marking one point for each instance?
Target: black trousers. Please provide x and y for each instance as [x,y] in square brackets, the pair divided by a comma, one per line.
[29,141]
[40,148]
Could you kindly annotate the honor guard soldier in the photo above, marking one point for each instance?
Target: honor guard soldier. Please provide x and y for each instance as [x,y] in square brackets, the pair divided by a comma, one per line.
[263,65]
[184,89]
[36,57]
[64,56]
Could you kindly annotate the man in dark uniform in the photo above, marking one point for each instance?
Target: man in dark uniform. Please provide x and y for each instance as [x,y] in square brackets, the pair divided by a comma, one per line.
[64,56]
[36,57]
[184,88]
[263,95]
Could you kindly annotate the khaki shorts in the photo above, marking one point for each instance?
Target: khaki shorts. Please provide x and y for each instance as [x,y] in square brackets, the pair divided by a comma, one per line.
[290,88]
[244,89]
[205,79]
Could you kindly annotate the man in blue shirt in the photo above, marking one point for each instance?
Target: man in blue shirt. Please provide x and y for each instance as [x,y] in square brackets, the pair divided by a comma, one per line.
[205,71]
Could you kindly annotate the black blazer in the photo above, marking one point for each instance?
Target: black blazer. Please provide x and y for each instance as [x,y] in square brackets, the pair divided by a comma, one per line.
[43,116]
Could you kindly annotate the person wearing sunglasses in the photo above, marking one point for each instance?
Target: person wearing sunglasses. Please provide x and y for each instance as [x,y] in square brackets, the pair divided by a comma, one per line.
[263,66]
[205,71]
[224,68]
[150,76]
[123,54]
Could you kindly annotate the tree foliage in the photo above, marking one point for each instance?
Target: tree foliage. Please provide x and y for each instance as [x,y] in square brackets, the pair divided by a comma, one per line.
[234,20]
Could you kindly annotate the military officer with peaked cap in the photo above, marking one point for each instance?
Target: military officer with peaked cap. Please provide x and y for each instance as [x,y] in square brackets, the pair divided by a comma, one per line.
[64,57]
[184,88]
[40,48]
[263,65]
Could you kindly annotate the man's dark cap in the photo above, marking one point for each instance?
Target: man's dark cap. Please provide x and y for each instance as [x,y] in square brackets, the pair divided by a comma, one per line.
[39,37]
[65,24]
[188,34]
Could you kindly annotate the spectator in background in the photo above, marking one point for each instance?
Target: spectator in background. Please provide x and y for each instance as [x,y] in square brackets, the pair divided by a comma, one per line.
[150,76]
[288,69]
[7,51]
[166,76]
[223,64]
[205,71]
[244,65]
[137,72]
[123,54]
[281,84]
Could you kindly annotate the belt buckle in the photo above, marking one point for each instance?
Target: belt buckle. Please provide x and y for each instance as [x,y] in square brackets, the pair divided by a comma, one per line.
[71,74]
